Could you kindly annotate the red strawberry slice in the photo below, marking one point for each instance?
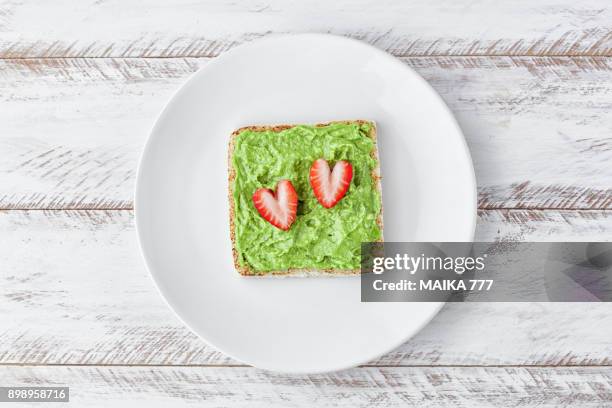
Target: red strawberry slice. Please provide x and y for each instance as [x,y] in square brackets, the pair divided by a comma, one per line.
[278,208]
[330,186]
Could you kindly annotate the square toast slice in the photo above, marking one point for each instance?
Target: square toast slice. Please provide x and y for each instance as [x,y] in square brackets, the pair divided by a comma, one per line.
[248,270]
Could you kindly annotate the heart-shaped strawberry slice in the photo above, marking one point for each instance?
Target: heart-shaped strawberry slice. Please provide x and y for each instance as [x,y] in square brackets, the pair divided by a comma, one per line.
[278,208]
[330,186]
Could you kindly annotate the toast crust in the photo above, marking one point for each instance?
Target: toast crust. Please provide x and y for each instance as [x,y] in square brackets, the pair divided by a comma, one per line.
[245,270]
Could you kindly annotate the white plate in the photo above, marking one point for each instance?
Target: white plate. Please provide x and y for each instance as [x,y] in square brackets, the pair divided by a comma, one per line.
[296,325]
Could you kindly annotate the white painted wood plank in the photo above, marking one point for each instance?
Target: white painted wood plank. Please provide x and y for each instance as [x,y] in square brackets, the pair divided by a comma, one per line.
[73,290]
[71,130]
[362,387]
[545,226]
[132,28]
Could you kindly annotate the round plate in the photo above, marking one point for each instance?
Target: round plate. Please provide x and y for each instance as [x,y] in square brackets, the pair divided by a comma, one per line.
[297,325]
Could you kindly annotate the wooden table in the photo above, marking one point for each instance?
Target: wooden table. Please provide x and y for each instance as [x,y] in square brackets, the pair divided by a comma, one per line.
[81,83]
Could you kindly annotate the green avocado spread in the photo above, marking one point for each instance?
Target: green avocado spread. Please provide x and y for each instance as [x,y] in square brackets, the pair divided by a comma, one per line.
[320,238]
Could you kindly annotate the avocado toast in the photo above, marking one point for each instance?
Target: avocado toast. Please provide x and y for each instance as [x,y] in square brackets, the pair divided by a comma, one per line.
[323,234]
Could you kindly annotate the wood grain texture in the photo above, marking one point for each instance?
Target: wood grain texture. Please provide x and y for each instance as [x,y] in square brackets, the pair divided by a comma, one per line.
[81,83]
[71,130]
[363,387]
[155,28]
[74,290]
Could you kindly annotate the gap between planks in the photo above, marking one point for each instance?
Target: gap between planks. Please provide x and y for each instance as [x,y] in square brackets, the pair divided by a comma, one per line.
[407,56]
[560,366]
